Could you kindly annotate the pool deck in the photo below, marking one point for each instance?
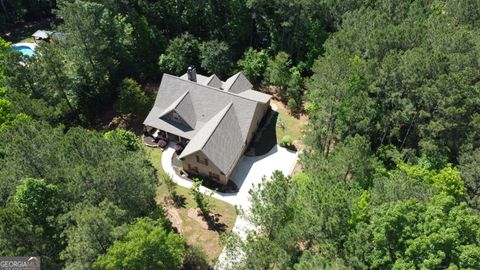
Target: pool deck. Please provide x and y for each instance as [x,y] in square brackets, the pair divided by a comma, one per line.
[31,45]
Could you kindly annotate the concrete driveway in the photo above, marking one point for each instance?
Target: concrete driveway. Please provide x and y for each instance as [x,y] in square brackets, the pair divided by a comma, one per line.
[248,173]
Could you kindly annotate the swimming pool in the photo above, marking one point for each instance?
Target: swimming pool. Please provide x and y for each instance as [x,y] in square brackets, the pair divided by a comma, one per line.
[25,50]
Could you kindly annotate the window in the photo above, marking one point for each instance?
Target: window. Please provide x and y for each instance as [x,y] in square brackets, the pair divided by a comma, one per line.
[176,117]
[202,161]
[193,168]
[214,176]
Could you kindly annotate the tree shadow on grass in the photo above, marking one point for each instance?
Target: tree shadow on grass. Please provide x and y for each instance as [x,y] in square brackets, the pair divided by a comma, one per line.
[214,224]
[178,201]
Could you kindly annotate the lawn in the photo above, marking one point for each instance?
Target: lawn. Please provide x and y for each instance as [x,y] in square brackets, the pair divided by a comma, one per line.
[207,240]
[291,125]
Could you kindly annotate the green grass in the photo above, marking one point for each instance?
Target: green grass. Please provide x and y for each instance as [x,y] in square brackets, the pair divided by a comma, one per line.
[292,126]
[195,235]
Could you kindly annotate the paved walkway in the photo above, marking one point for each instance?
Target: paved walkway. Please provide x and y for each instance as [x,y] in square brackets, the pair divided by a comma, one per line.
[248,172]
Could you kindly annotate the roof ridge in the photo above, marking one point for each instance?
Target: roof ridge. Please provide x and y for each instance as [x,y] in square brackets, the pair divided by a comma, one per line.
[175,104]
[211,87]
[226,109]
[230,105]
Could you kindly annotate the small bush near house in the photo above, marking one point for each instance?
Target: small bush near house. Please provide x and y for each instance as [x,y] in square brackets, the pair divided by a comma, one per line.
[287,142]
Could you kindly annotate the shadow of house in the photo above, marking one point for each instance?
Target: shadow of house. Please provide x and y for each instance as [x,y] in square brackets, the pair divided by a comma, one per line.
[266,137]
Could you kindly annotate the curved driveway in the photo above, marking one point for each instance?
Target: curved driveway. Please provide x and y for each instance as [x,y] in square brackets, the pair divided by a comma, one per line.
[248,173]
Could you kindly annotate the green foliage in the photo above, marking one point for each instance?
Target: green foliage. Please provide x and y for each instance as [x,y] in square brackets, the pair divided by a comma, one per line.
[127,138]
[449,182]
[278,71]
[253,64]
[420,235]
[8,118]
[294,89]
[360,209]
[202,201]
[293,216]
[286,141]
[4,49]
[215,57]
[89,231]
[95,49]
[170,184]
[181,52]
[131,98]
[292,104]
[392,73]
[82,164]
[37,199]
[146,245]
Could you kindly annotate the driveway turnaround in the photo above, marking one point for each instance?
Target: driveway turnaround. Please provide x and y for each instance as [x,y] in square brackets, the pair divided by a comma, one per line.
[248,173]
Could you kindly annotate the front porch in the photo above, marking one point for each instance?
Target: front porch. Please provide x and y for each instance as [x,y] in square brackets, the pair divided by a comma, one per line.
[154,137]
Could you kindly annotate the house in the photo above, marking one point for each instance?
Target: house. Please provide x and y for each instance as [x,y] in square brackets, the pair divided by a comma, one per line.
[215,120]
[48,36]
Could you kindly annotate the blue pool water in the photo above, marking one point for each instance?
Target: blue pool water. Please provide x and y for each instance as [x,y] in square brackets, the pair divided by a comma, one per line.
[25,50]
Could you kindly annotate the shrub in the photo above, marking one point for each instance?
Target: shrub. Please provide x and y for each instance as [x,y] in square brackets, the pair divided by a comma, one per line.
[127,138]
[131,98]
[215,57]
[286,141]
[292,104]
[253,64]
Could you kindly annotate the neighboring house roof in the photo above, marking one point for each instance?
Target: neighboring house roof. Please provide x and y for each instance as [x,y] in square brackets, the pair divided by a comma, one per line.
[219,139]
[42,34]
[217,121]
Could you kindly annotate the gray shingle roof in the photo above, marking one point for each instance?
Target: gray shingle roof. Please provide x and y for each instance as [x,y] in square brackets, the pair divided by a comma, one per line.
[214,81]
[237,83]
[207,101]
[219,139]
[183,106]
[255,95]
[220,120]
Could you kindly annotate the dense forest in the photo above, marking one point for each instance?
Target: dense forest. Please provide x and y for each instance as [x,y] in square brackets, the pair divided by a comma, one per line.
[390,173]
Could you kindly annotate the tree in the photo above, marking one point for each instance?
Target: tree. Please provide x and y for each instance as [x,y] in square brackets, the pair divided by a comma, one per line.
[215,57]
[97,48]
[294,89]
[4,49]
[84,166]
[146,245]
[202,201]
[38,200]
[253,64]
[89,231]
[8,118]
[127,138]
[181,52]
[470,173]
[278,72]
[171,186]
[131,99]
[437,233]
